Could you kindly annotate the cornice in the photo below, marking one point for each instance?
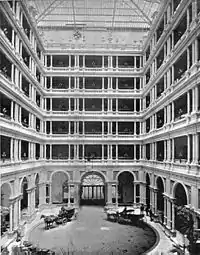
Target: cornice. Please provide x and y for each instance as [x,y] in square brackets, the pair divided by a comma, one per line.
[169,132]
[90,116]
[108,51]
[95,94]
[15,130]
[173,174]
[99,72]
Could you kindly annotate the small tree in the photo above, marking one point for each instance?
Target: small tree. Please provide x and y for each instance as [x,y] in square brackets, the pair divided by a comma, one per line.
[187,226]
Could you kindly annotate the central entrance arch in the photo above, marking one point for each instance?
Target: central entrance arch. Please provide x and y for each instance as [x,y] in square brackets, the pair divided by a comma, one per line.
[126,188]
[92,189]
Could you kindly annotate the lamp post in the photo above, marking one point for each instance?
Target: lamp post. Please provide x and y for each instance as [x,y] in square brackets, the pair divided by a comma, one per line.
[184,243]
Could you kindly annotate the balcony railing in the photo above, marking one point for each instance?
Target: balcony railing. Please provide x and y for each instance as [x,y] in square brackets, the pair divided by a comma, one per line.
[95,69]
[109,46]
[25,124]
[4,115]
[24,158]
[126,133]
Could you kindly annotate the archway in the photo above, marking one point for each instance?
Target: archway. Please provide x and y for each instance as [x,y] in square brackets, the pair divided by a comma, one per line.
[160,191]
[59,187]
[125,188]
[5,210]
[180,200]
[24,200]
[37,195]
[160,199]
[147,191]
[92,189]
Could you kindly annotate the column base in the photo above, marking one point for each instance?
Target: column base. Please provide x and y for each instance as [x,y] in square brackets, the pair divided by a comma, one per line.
[169,232]
[110,204]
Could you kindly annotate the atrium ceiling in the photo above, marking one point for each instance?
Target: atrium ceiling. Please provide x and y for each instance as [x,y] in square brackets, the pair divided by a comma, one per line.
[94,14]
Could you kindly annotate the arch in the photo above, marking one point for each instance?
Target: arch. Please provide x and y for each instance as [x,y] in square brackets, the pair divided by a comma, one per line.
[37,191]
[179,185]
[92,190]
[59,182]
[9,187]
[148,183]
[99,173]
[126,187]
[181,199]
[5,204]
[163,181]
[21,181]
[56,171]
[122,171]
[5,194]
[160,197]
[23,188]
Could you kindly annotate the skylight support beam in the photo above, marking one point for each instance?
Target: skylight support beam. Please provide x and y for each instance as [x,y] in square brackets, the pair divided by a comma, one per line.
[74,18]
[49,9]
[143,13]
[114,11]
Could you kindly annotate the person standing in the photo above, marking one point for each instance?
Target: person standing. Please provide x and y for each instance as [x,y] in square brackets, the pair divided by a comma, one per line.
[151,214]
[142,209]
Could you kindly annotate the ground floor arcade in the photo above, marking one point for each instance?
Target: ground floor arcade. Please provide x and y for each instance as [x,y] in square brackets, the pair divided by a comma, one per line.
[164,195]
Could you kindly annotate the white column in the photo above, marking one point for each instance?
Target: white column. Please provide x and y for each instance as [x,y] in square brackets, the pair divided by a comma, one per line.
[173,150]
[11,150]
[195,99]
[188,149]
[11,216]
[173,216]
[172,111]
[19,150]
[19,209]
[188,102]
[42,194]
[134,192]
[109,193]
[195,144]
[69,194]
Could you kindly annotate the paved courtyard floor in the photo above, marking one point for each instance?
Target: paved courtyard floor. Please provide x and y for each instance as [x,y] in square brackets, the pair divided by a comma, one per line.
[91,233]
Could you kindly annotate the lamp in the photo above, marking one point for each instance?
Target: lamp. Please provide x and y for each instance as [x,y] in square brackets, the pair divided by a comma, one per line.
[184,243]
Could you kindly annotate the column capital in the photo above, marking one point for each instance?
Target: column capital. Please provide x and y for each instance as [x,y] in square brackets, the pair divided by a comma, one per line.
[74,182]
[42,184]
[31,189]
[111,182]
[13,199]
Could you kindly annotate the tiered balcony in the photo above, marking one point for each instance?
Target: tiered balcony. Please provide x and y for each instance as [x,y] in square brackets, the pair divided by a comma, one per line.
[5,107]
[90,63]
[24,150]
[25,118]
[5,66]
